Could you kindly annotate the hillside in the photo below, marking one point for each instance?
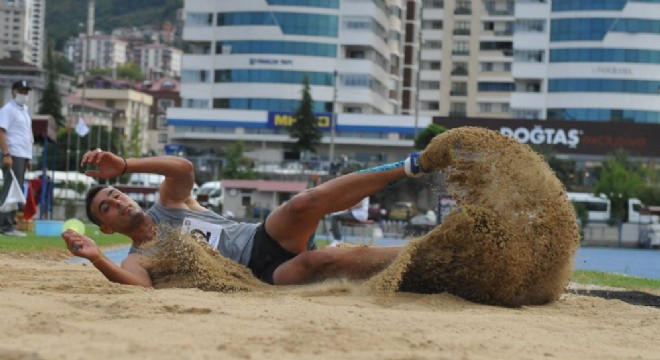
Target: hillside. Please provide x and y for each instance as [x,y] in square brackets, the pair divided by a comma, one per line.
[63,16]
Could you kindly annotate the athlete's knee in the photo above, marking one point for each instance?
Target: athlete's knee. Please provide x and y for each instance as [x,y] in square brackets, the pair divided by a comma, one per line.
[302,203]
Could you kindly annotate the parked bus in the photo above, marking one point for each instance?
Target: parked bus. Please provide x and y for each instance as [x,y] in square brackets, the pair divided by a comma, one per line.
[598,207]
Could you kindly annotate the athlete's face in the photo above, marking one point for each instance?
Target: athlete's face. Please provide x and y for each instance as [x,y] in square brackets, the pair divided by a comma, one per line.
[116,211]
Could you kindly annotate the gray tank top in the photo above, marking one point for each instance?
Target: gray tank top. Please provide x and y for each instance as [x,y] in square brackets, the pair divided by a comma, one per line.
[235,240]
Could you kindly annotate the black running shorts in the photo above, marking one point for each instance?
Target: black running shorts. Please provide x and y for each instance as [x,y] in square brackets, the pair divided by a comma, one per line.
[267,255]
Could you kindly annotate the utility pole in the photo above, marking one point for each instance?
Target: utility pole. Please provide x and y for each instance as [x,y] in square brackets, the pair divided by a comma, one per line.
[333,122]
[419,65]
[85,63]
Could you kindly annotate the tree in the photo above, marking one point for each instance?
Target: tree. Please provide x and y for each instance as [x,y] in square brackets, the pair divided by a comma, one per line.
[620,180]
[136,138]
[425,137]
[305,128]
[565,169]
[236,165]
[128,72]
[51,102]
[63,65]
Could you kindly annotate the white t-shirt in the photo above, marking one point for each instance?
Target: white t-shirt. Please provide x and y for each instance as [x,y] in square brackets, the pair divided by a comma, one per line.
[17,122]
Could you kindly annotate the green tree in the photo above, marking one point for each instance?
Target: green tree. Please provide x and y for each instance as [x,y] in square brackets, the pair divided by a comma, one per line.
[136,138]
[425,137]
[63,65]
[127,72]
[130,72]
[620,179]
[564,169]
[236,165]
[305,128]
[51,101]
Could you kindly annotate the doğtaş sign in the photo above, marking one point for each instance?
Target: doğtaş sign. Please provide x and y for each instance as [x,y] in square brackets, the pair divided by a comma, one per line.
[572,137]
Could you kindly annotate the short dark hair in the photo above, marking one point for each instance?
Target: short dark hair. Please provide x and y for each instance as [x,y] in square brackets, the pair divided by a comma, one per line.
[88,202]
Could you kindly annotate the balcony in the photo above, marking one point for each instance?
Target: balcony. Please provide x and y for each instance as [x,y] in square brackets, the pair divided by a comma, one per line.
[458,113]
[460,52]
[462,11]
[458,93]
[461,71]
[462,32]
[507,12]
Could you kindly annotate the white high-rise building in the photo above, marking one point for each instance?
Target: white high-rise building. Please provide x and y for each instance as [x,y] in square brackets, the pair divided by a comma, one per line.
[589,60]
[254,54]
[158,60]
[22,29]
[245,63]
[105,51]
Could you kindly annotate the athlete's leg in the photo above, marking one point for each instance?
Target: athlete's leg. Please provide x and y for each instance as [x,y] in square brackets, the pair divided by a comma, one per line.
[292,223]
[333,262]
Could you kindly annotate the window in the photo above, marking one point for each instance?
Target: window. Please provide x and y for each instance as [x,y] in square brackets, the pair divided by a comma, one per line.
[199,19]
[459,69]
[429,85]
[461,48]
[530,25]
[430,65]
[485,107]
[458,89]
[462,28]
[457,109]
[432,44]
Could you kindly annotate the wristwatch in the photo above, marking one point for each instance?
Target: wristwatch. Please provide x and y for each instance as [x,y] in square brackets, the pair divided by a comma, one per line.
[6,155]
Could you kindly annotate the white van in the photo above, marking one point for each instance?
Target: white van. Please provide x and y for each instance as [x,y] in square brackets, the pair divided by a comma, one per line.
[75,180]
[212,190]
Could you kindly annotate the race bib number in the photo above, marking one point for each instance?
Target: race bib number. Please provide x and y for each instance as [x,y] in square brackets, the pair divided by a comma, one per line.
[202,230]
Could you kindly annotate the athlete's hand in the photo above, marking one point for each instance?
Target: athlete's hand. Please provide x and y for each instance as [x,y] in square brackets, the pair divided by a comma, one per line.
[81,245]
[108,164]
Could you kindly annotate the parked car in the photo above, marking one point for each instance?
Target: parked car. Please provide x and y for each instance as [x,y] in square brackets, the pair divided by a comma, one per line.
[377,212]
[402,210]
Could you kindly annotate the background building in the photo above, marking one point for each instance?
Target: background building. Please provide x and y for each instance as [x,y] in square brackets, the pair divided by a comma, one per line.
[105,51]
[22,30]
[587,60]
[158,60]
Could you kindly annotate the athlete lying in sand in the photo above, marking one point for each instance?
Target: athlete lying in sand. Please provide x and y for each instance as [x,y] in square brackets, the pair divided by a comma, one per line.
[276,251]
[511,242]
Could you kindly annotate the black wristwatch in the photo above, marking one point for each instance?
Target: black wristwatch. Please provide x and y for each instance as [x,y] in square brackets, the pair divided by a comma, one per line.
[6,155]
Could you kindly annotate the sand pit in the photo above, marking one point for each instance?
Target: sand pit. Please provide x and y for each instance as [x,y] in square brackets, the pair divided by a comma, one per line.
[55,310]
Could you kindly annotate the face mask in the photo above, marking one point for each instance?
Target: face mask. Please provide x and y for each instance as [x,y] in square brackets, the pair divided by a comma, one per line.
[21,99]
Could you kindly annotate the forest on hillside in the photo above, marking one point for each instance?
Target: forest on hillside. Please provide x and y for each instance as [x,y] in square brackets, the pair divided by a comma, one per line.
[64,16]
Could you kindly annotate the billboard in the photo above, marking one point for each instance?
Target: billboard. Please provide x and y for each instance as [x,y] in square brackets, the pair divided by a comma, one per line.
[572,137]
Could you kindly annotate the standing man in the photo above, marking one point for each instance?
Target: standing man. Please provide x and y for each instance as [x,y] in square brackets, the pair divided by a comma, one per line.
[16,145]
[358,212]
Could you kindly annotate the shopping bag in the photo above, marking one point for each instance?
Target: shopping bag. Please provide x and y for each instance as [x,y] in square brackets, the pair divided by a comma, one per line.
[14,197]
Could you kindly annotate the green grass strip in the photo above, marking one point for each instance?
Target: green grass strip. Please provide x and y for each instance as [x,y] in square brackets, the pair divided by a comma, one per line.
[614,280]
[32,242]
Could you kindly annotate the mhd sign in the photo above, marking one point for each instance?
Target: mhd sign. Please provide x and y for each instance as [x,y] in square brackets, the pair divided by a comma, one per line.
[286,119]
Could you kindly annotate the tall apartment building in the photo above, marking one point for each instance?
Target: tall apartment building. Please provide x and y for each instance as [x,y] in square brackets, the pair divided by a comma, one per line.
[245,62]
[592,60]
[465,56]
[105,51]
[254,54]
[22,29]
[158,60]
